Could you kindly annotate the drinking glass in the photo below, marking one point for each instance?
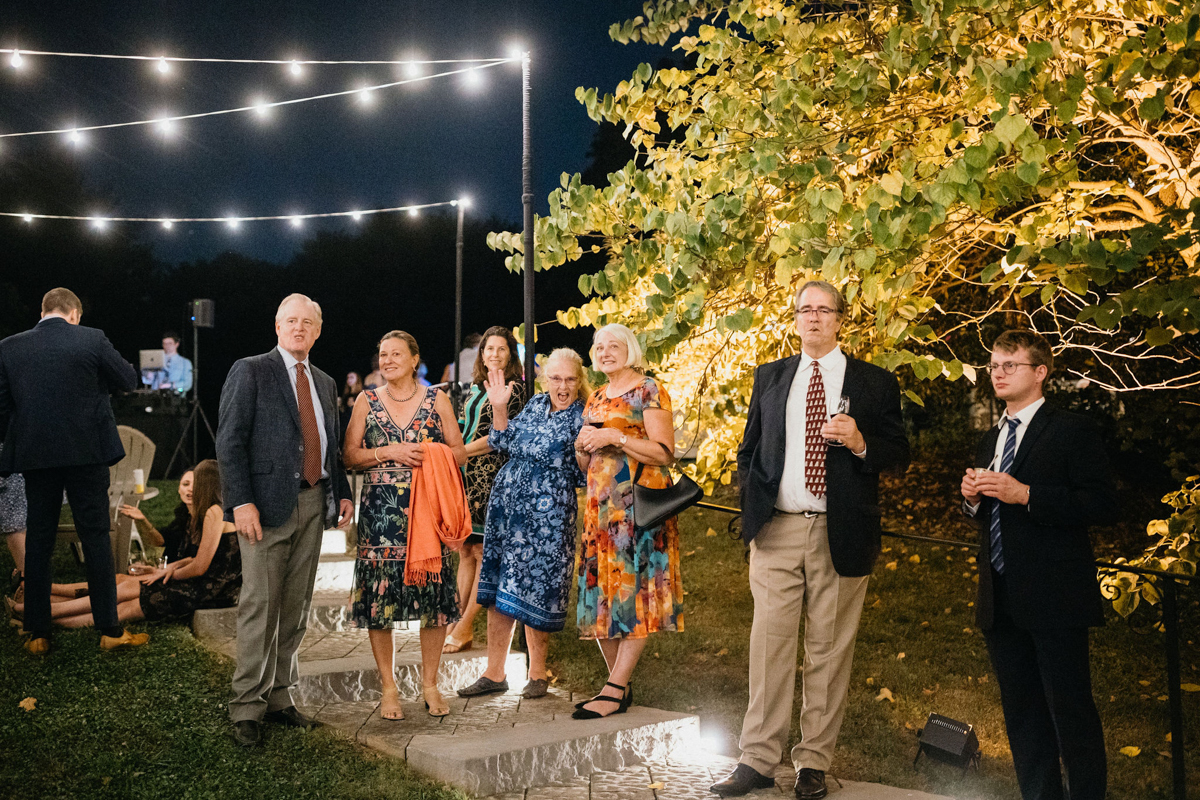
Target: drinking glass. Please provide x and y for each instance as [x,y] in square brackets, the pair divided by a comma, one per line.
[843,407]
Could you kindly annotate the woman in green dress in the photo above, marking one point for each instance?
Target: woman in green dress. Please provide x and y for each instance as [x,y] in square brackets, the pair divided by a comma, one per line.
[385,440]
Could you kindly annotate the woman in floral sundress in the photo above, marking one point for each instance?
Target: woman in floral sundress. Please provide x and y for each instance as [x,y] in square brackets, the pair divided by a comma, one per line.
[629,580]
[384,439]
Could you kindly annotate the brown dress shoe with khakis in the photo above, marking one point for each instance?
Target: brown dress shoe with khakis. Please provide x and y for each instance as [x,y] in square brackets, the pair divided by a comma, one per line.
[810,784]
[126,639]
[38,645]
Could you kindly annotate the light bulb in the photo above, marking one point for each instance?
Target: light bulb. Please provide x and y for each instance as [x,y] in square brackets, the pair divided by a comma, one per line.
[17,60]
[412,70]
[99,223]
[165,126]
[76,137]
[473,78]
[412,212]
[356,215]
[295,69]
[366,97]
[163,66]
[464,201]
[262,107]
[297,222]
[516,52]
[233,223]
[28,217]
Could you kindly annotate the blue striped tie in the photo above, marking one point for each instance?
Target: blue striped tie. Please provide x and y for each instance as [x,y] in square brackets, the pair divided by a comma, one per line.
[1006,462]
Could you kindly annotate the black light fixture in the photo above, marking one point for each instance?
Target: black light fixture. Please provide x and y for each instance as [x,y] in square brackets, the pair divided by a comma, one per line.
[949,741]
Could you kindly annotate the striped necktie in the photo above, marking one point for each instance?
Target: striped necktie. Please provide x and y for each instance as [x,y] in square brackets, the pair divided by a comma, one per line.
[816,414]
[1006,462]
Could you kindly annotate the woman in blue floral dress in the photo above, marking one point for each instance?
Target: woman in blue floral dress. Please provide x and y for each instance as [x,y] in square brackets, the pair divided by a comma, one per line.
[385,440]
[529,538]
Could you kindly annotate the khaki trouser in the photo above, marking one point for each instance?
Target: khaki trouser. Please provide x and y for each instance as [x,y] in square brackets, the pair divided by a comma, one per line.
[792,575]
[277,585]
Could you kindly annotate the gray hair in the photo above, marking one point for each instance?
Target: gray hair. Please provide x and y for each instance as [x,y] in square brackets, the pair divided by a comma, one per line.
[835,294]
[637,356]
[297,296]
[568,356]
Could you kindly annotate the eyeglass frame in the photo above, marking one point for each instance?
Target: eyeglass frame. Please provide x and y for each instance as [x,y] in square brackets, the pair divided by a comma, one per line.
[1008,367]
[823,311]
[557,381]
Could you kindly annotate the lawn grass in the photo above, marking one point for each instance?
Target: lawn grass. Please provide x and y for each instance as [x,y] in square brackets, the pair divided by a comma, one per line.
[152,723]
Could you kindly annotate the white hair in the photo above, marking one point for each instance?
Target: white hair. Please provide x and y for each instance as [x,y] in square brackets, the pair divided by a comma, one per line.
[297,296]
[568,356]
[636,358]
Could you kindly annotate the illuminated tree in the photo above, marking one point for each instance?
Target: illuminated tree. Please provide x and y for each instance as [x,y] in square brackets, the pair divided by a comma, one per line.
[944,162]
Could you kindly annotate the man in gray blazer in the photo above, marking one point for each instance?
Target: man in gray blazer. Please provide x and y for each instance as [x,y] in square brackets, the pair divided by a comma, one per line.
[282,477]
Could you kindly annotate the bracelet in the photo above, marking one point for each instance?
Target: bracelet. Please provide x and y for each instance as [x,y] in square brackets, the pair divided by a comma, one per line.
[378,460]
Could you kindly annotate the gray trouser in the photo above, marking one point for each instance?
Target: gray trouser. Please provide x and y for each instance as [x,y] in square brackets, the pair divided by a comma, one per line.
[792,576]
[277,584]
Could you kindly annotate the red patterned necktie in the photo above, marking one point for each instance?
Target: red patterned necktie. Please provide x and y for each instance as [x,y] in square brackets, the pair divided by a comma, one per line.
[816,414]
[308,429]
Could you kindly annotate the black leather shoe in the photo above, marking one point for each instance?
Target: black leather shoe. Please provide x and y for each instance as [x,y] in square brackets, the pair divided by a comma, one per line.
[810,784]
[290,717]
[743,779]
[247,733]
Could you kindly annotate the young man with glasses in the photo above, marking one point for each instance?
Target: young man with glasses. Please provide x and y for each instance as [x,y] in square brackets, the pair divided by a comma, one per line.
[810,515]
[1041,477]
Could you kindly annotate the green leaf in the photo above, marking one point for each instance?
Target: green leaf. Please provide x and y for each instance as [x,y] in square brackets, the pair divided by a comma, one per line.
[1153,108]
[1010,128]
[740,320]
[913,396]
[1039,51]
[1029,172]
[1156,337]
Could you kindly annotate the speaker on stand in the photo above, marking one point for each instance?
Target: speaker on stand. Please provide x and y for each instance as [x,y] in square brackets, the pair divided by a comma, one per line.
[203,315]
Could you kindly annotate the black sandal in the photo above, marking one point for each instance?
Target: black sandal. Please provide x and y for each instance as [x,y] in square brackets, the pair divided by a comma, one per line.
[622,704]
[628,695]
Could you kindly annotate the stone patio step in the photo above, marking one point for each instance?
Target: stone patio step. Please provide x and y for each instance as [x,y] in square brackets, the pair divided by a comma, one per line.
[330,611]
[335,573]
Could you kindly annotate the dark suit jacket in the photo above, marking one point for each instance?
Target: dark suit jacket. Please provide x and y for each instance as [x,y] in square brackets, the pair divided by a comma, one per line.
[259,444]
[55,380]
[1049,576]
[852,483]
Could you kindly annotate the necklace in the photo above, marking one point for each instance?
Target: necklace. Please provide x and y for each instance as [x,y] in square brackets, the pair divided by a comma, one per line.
[395,399]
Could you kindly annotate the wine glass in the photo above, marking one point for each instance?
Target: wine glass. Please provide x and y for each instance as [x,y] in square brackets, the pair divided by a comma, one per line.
[843,407]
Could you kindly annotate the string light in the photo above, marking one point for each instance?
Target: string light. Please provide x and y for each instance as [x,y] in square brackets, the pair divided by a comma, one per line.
[230,220]
[163,66]
[262,107]
[168,224]
[412,69]
[243,109]
[166,126]
[75,137]
[283,61]
[473,78]
[365,98]
[295,69]
[16,61]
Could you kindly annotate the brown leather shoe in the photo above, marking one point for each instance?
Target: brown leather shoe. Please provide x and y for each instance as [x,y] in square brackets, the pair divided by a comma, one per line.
[743,780]
[810,784]
[126,639]
[38,646]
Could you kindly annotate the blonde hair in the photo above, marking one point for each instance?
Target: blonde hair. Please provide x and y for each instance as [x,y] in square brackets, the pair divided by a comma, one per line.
[636,358]
[583,388]
[297,296]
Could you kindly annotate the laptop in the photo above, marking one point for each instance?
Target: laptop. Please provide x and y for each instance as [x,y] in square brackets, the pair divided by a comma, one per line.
[152,359]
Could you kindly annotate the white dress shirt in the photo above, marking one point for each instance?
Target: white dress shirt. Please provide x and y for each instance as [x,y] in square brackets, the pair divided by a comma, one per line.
[290,362]
[1023,417]
[793,497]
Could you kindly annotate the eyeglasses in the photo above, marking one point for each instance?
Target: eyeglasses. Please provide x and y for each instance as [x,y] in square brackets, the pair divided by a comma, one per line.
[1008,367]
[557,381]
[808,311]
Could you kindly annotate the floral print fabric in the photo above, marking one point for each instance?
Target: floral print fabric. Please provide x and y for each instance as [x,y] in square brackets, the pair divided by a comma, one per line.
[380,599]
[529,540]
[629,580]
[480,471]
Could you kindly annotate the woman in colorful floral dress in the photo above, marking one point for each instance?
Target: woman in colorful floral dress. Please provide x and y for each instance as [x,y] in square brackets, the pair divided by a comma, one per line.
[529,550]
[497,350]
[384,438]
[629,579]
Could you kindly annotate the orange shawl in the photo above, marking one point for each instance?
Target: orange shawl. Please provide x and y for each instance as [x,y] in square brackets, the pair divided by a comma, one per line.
[437,513]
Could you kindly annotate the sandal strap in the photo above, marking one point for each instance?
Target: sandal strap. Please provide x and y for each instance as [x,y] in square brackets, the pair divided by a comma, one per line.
[604,699]
[615,685]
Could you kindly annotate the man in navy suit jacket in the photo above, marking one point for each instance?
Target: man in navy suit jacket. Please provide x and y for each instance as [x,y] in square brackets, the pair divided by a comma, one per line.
[1041,477]
[55,382]
[810,514]
[283,480]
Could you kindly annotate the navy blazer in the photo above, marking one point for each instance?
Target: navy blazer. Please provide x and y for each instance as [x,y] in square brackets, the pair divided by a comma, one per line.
[1049,574]
[852,483]
[55,381]
[259,443]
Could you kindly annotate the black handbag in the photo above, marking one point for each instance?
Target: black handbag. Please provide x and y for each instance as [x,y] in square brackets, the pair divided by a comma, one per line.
[652,506]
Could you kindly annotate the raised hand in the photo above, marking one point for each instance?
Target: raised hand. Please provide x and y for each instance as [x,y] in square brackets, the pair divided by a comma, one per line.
[499,391]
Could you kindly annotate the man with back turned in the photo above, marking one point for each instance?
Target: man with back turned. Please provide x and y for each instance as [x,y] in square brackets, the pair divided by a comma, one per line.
[60,433]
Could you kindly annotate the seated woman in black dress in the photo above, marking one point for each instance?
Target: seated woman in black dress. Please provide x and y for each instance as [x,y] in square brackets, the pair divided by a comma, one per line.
[174,537]
[209,575]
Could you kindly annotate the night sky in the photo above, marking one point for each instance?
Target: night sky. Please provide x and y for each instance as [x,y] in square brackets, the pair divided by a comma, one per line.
[428,143]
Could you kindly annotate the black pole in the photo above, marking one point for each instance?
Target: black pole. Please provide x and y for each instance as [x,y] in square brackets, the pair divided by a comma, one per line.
[195,394]
[458,269]
[527,202]
[1174,692]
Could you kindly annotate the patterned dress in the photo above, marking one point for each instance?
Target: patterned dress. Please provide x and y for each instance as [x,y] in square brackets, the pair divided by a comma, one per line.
[480,471]
[218,587]
[529,547]
[629,580]
[12,502]
[380,598]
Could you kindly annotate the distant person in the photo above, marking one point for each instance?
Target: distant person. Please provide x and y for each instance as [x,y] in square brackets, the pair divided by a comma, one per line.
[12,526]
[821,427]
[174,537]
[497,351]
[209,575]
[392,438]
[1041,478]
[529,546]
[351,389]
[282,477]
[466,360]
[423,374]
[176,373]
[630,583]
[55,382]
[373,378]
